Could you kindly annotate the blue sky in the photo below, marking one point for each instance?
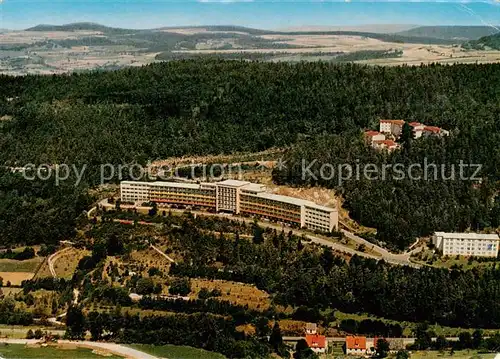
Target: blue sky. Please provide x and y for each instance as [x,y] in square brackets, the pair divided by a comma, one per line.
[19,14]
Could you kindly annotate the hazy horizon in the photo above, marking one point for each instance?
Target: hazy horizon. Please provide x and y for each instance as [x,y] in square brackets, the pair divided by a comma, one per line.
[22,14]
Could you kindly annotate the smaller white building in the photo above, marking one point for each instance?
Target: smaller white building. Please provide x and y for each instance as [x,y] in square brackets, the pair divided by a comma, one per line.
[466,244]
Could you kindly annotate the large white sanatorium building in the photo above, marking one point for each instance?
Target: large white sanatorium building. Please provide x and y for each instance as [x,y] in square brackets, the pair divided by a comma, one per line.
[238,197]
[467,244]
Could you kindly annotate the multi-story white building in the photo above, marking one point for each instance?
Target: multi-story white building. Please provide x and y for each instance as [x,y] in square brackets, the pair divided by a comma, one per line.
[394,127]
[135,191]
[237,197]
[228,195]
[467,244]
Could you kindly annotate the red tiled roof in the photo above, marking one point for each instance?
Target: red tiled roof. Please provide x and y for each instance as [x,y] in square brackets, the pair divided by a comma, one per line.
[415,124]
[389,143]
[399,122]
[316,341]
[355,342]
[372,133]
[433,129]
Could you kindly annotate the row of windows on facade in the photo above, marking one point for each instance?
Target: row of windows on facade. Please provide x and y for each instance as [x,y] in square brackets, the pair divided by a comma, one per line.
[479,246]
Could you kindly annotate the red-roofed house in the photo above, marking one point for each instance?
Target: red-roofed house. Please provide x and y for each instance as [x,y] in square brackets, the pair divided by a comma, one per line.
[355,345]
[394,127]
[374,136]
[434,131]
[388,145]
[317,343]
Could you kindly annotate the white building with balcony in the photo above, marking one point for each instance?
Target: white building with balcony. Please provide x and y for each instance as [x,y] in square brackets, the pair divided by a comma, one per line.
[466,244]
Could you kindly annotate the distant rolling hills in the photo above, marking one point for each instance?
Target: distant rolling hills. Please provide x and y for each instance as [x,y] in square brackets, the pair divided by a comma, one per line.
[440,35]
[450,32]
[96,46]
[79,26]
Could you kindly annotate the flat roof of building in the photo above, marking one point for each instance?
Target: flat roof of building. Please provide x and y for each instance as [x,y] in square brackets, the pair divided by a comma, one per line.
[254,187]
[233,183]
[165,184]
[280,198]
[176,184]
[468,235]
[294,201]
[317,206]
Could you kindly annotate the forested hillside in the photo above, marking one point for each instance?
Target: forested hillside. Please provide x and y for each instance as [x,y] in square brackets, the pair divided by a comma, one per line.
[188,107]
[403,209]
[207,106]
[38,211]
[484,43]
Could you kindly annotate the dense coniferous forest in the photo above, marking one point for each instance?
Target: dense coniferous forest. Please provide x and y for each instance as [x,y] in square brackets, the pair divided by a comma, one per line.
[186,107]
[310,276]
[400,207]
[33,212]
[214,106]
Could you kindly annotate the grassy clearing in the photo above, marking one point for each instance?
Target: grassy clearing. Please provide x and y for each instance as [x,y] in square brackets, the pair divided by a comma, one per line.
[19,332]
[20,351]
[11,265]
[237,293]
[427,257]
[44,271]
[66,263]
[11,291]
[176,352]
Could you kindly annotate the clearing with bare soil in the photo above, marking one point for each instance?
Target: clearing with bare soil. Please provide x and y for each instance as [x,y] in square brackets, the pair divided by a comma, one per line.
[237,293]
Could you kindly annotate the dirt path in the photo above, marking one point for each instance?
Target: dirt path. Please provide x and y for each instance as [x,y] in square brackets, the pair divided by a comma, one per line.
[163,254]
[53,257]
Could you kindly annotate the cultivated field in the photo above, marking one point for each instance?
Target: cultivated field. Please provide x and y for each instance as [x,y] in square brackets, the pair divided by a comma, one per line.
[413,54]
[15,278]
[52,52]
[11,265]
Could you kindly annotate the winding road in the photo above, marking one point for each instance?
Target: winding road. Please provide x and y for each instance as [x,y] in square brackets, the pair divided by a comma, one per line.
[53,258]
[398,259]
